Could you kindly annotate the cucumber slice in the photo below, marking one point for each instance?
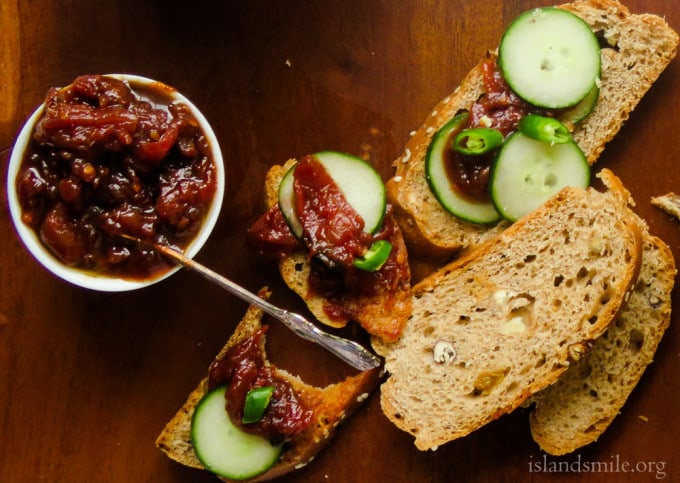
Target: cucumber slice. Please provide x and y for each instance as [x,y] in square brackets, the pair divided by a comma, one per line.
[451,200]
[581,110]
[222,447]
[286,203]
[361,184]
[527,172]
[550,57]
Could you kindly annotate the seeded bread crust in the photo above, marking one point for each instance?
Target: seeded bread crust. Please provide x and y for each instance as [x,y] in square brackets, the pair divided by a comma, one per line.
[584,401]
[382,315]
[642,45]
[331,405]
[498,325]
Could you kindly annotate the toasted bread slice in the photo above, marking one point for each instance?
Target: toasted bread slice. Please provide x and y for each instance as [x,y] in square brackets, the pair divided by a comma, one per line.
[503,322]
[639,49]
[331,405]
[382,314]
[584,401]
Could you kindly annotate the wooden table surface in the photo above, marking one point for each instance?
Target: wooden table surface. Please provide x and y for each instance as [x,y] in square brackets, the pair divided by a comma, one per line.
[88,379]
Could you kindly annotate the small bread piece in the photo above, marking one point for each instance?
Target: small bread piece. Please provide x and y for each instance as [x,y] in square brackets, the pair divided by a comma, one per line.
[503,322]
[639,49]
[382,315]
[584,401]
[331,405]
[669,203]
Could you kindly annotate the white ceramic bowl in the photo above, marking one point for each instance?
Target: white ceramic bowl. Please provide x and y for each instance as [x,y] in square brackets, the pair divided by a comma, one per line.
[88,279]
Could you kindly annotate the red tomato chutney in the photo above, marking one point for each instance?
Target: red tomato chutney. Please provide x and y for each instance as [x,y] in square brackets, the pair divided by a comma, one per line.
[499,108]
[333,230]
[333,236]
[243,368]
[107,160]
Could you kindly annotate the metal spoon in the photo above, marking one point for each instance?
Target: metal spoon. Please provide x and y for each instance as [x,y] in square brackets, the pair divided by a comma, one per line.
[349,351]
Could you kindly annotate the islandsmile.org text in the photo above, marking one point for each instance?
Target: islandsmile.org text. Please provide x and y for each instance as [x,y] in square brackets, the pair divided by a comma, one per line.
[614,464]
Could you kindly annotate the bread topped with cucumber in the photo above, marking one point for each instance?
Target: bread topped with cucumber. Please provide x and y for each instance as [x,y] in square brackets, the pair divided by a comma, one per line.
[529,119]
[204,435]
[336,241]
[506,320]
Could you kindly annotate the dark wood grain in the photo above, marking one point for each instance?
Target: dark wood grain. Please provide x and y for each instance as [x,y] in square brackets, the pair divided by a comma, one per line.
[87,380]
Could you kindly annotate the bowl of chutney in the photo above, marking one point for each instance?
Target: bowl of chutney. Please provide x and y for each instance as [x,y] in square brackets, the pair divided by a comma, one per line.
[110,156]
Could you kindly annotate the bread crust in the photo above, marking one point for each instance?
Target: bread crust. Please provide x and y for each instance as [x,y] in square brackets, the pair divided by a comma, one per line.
[459,305]
[331,406]
[642,45]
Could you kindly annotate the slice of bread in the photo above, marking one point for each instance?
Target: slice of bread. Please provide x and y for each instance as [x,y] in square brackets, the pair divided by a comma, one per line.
[584,401]
[639,47]
[498,325]
[331,406]
[382,314]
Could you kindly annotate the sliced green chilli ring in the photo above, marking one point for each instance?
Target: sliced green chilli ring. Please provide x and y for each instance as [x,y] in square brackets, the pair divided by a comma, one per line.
[257,401]
[550,57]
[361,184]
[527,172]
[543,128]
[222,447]
[440,184]
[375,257]
[477,141]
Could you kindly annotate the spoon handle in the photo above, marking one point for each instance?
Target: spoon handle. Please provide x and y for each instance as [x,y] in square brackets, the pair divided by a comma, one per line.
[349,351]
